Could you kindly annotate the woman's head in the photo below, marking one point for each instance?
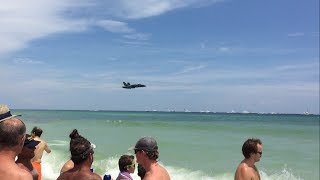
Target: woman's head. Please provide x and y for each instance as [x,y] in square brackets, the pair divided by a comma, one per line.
[80,147]
[127,163]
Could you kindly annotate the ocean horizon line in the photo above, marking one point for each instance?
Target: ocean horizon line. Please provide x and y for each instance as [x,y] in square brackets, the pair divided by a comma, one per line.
[167,111]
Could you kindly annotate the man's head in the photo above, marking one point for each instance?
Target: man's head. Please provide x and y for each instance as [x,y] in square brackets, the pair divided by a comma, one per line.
[36,131]
[252,147]
[80,148]
[28,147]
[12,132]
[149,146]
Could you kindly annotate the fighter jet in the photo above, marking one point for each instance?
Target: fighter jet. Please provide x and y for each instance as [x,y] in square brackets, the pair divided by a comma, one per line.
[132,86]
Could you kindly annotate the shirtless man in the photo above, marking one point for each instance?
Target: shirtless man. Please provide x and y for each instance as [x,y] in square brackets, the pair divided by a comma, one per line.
[252,152]
[12,135]
[146,150]
[27,153]
[42,146]
[82,157]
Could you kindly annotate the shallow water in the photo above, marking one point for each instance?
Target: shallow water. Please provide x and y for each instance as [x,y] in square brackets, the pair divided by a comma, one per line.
[192,145]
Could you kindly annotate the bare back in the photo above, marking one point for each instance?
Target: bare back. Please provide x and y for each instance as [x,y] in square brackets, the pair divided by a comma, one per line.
[79,175]
[157,172]
[30,169]
[38,152]
[245,172]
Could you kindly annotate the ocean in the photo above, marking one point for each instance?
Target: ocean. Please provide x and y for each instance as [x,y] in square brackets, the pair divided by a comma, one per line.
[204,146]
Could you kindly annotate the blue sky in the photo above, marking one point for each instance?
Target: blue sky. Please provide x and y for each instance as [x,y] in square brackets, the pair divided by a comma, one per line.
[216,55]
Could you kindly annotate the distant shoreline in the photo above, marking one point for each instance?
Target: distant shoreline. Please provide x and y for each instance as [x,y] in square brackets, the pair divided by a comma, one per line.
[189,112]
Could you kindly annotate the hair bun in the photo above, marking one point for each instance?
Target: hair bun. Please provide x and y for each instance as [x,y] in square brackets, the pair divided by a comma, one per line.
[74,134]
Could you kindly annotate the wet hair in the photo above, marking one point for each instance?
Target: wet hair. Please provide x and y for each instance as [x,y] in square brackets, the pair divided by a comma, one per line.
[250,146]
[37,131]
[80,147]
[124,161]
[141,171]
[11,132]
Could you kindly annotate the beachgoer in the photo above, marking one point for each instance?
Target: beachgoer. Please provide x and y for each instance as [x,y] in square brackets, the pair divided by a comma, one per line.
[252,152]
[42,146]
[141,171]
[12,135]
[69,164]
[146,150]
[27,153]
[127,165]
[82,157]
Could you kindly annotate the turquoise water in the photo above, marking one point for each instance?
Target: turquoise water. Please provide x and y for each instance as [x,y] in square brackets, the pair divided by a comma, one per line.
[192,145]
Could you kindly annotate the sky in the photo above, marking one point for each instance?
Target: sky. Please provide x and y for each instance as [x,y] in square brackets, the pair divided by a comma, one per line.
[195,55]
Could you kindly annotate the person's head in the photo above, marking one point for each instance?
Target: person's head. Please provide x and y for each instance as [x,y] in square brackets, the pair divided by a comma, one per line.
[12,130]
[252,148]
[127,163]
[28,147]
[80,148]
[147,146]
[36,131]
[141,171]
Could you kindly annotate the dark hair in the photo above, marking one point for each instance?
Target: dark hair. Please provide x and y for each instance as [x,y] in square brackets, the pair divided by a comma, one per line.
[37,131]
[250,146]
[124,161]
[153,155]
[80,147]
[141,171]
[11,132]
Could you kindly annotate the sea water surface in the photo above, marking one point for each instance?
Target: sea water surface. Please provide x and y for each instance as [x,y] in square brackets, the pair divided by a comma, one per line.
[192,145]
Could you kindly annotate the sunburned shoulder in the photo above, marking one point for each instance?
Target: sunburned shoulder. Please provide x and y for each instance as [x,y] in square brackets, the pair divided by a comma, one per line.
[160,174]
[245,172]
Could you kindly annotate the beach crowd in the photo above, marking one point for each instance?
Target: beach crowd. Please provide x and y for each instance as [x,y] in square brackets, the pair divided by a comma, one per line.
[21,153]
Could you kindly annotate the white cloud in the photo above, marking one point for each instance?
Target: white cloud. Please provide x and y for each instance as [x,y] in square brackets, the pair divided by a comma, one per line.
[115,26]
[298,67]
[138,36]
[296,34]
[23,22]
[224,49]
[134,43]
[146,8]
[26,61]
[191,69]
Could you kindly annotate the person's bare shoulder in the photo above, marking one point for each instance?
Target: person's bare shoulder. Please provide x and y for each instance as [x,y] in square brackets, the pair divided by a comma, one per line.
[96,177]
[160,173]
[67,166]
[243,172]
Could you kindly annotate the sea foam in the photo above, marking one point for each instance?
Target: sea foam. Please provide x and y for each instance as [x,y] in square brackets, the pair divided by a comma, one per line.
[53,162]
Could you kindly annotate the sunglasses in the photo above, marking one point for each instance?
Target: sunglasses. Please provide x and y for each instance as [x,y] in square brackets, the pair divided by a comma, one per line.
[132,165]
